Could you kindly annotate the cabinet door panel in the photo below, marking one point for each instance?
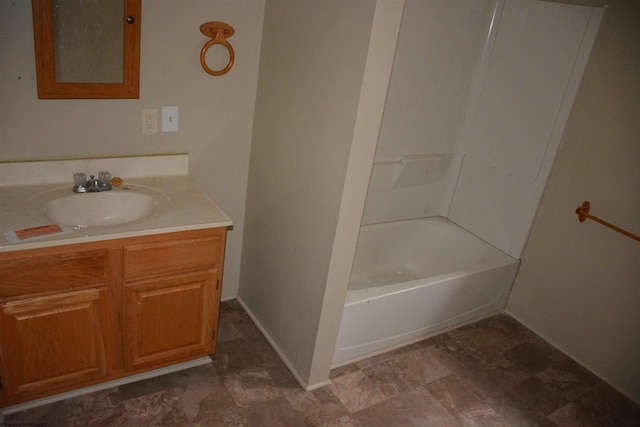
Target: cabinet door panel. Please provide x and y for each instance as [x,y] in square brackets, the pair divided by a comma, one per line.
[55,341]
[170,319]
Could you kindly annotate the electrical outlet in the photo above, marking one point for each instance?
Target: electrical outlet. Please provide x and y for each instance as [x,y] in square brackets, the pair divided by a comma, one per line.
[150,120]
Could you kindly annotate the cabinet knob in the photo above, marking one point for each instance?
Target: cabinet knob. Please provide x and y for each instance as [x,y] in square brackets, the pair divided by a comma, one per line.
[130,19]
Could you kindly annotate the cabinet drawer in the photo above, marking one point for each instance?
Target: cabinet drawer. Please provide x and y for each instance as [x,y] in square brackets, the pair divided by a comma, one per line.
[155,258]
[52,273]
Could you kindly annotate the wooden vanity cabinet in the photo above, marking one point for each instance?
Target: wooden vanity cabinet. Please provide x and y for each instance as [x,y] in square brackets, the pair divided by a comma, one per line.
[77,315]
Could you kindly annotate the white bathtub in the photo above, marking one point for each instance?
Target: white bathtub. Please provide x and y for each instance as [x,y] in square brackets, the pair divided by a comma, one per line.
[414,278]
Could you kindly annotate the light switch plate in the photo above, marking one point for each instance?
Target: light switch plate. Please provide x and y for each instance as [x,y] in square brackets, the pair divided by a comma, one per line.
[169,119]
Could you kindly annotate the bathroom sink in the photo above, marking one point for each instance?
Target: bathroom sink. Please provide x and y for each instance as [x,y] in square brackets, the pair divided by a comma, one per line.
[119,206]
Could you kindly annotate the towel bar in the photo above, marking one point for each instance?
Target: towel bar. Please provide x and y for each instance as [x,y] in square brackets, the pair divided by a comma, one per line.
[583,214]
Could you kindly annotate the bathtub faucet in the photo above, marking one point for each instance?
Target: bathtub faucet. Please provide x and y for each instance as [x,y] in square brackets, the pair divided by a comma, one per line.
[92,185]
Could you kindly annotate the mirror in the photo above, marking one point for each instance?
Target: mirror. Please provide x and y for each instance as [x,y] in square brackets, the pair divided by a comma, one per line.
[87,48]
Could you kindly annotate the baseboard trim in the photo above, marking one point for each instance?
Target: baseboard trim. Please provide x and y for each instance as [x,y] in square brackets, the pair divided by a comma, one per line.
[281,354]
[103,386]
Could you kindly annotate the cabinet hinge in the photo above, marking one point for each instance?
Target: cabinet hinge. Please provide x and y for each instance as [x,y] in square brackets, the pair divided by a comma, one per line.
[213,338]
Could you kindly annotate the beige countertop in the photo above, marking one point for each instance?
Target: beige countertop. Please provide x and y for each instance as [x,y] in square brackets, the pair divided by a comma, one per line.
[188,208]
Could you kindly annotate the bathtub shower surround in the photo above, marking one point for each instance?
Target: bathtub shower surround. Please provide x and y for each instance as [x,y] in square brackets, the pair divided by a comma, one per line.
[417,277]
[397,188]
[470,137]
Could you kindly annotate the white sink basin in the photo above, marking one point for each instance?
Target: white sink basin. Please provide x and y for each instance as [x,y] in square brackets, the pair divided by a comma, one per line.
[119,206]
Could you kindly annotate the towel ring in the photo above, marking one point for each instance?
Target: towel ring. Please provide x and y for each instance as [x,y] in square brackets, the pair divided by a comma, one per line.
[219,31]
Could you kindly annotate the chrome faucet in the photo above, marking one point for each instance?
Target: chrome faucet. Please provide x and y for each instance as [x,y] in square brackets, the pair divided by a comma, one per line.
[92,185]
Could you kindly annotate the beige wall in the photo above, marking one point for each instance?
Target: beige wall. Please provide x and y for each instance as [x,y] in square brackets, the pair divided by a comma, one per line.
[311,70]
[215,112]
[579,283]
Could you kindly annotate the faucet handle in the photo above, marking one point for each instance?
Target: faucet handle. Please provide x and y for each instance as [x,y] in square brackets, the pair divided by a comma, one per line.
[105,180]
[79,180]
[104,177]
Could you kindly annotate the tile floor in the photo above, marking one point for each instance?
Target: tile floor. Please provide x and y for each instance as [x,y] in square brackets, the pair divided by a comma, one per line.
[492,373]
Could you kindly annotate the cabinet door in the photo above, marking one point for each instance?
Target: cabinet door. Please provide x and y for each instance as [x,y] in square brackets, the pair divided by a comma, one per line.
[52,343]
[170,319]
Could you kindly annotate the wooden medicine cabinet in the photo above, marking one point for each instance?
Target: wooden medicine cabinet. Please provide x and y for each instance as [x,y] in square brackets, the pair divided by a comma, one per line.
[87,49]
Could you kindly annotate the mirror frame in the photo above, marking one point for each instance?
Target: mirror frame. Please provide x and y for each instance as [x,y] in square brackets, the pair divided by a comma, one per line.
[49,88]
